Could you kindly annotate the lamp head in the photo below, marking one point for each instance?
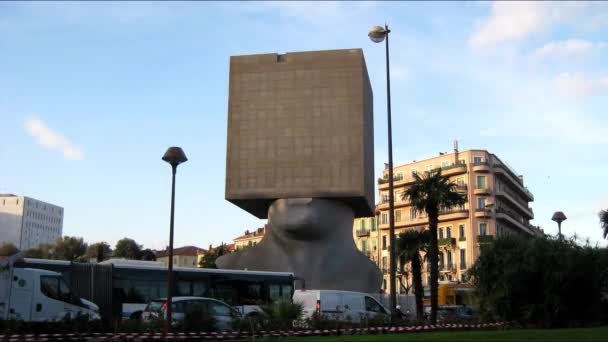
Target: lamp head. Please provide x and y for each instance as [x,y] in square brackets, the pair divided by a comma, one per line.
[377,34]
[558,217]
[175,156]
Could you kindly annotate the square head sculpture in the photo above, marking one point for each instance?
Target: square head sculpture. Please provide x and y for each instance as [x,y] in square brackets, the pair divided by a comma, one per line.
[300,125]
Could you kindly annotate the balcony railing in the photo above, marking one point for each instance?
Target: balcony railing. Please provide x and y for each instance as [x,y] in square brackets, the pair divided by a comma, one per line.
[462,238]
[396,178]
[485,238]
[463,265]
[453,166]
[461,187]
[362,232]
[447,241]
[481,163]
[447,267]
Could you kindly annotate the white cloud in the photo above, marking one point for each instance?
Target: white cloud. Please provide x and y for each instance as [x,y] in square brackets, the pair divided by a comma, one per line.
[52,140]
[577,85]
[565,48]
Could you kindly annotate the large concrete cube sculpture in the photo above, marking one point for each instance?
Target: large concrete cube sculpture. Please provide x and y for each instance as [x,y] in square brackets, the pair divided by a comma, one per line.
[300,153]
[300,125]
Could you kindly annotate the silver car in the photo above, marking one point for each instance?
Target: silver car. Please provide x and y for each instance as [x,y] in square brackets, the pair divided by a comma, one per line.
[223,313]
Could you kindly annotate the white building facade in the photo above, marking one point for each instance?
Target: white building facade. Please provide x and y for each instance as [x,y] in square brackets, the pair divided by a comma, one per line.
[27,222]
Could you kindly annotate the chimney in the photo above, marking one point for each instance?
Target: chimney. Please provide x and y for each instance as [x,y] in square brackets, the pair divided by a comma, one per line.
[455,152]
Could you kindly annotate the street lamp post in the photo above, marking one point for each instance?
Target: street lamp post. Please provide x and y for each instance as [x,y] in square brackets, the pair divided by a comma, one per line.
[559,217]
[377,34]
[173,156]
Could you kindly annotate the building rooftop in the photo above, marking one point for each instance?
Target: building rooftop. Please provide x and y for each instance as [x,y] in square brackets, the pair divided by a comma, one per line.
[256,233]
[186,250]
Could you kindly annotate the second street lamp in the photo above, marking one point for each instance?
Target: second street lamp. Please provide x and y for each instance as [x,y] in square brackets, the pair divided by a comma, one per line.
[173,156]
[559,217]
[377,34]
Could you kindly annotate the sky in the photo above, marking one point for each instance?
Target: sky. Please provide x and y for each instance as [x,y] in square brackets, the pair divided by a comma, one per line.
[92,94]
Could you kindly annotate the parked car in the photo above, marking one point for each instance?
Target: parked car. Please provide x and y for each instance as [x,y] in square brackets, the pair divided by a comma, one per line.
[340,305]
[446,313]
[220,311]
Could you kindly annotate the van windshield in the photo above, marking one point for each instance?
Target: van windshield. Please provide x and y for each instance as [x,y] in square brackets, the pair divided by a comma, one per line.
[56,288]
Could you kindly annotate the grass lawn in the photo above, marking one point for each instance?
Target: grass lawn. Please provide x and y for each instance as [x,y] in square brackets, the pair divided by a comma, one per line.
[528,335]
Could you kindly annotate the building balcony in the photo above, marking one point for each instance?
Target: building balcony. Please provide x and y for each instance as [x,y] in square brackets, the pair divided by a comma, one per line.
[506,173]
[447,268]
[510,218]
[482,191]
[362,232]
[485,239]
[462,238]
[461,187]
[485,213]
[483,166]
[448,242]
[508,195]
[453,169]
[453,214]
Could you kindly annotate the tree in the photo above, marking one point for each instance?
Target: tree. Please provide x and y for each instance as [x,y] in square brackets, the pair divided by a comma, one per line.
[604,222]
[408,246]
[431,193]
[99,251]
[69,248]
[8,249]
[208,259]
[43,251]
[128,249]
[542,281]
[148,255]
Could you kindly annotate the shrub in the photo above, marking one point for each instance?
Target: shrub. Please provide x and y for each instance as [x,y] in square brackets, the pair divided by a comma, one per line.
[540,281]
[280,315]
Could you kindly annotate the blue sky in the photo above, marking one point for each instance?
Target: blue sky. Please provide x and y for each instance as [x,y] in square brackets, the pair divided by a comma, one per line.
[91,95]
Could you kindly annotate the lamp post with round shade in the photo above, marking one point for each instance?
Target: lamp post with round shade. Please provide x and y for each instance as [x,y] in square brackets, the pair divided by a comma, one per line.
[377,34]
[174,156]
[559,217]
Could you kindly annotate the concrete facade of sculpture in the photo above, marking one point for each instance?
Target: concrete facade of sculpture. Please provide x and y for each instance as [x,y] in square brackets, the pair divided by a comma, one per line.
[300,153]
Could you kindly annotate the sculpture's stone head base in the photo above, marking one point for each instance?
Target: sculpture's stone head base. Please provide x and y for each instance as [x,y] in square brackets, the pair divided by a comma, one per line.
[312,238]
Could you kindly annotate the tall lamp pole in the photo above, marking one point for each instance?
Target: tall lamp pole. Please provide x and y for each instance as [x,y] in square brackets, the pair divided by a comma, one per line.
[174,156]
[559,217]
[377,34]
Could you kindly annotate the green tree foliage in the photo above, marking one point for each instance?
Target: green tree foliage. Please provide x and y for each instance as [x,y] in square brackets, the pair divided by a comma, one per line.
[604,222]
[99,251]
[148,255]
[69,248]
[128,249]
[281,314]
[8,249]
[542,281]
[431,193]
[43,251]
[407,249]
[208,259]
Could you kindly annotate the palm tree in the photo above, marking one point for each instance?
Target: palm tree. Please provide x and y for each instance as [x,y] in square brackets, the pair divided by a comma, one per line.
[604,222]
[430,193]
[407,248]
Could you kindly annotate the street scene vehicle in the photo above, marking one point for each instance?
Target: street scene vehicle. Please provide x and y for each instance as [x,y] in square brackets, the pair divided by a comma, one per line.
[35,295]
[123,289]
[340,305]
[222,313]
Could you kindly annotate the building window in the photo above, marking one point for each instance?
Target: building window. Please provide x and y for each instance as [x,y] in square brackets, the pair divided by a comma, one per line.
[384,218]
[463,259]
[362,224]
[384,197]
[461,230]
[460,181]
[481,202]
[449,258]
[440,232]
[477,160]
[384,263]
[383,242]
[398,176]
[373,224]
[483,229]
[413,213]
[364,246]
[429,168]
[461,161]
[481,182]
[414,172]
[445,163]
[384,284]
[448,232]
[398,215]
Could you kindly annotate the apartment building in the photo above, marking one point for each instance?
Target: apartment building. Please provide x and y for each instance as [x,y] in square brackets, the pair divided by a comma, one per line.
[186,256]
[497,204]
[250,238]
[365,233]
[27,222]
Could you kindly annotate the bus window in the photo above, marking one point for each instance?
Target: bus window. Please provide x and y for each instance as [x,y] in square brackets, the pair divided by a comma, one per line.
[250,294]
[183,288]
[199,289]
[274,292]
[286,292]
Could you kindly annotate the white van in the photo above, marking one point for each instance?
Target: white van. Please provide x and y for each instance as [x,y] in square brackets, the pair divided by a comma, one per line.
[340,305]
[30,294]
